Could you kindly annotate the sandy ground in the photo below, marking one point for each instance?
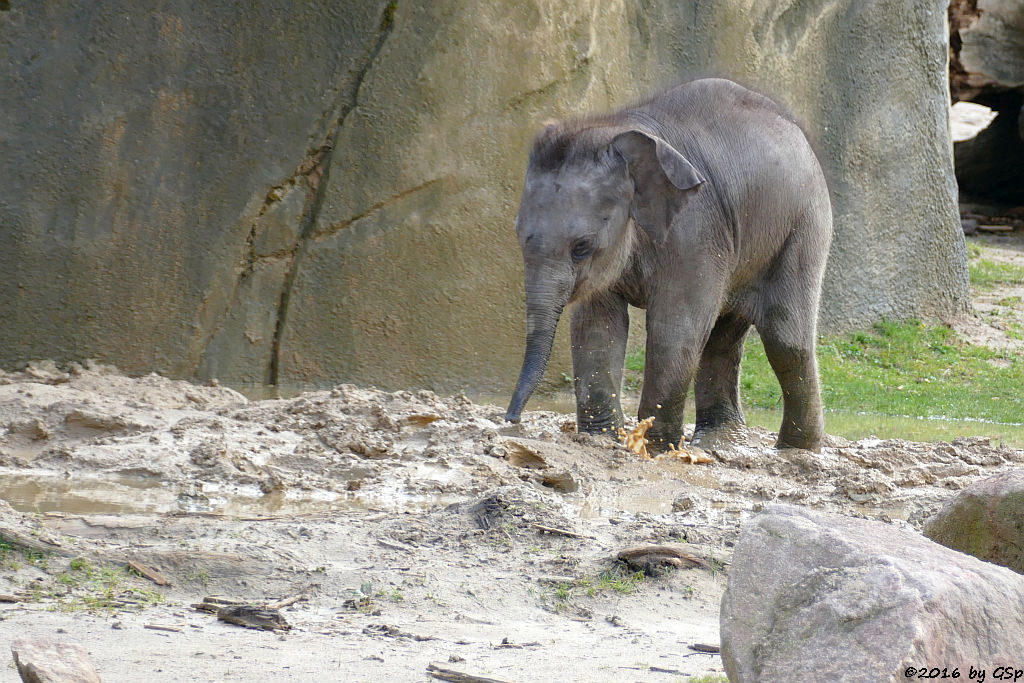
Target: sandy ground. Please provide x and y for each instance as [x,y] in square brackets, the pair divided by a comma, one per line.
[416,529]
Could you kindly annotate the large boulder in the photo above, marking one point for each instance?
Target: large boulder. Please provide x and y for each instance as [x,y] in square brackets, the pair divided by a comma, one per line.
[819,597]
[986,520]
[294,192]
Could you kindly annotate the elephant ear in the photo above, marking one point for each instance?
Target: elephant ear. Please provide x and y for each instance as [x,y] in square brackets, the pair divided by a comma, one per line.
[662,180]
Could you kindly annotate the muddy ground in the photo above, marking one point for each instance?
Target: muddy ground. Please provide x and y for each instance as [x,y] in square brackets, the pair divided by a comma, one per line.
[408,528]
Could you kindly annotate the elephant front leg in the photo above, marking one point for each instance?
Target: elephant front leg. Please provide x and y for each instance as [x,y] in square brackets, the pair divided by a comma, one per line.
[673,348]
[600,326]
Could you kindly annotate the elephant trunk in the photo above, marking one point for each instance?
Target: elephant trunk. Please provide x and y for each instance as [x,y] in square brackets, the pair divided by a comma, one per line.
[543,309]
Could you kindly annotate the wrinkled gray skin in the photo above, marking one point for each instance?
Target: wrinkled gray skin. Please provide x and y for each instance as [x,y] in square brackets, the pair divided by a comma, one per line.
[704,205]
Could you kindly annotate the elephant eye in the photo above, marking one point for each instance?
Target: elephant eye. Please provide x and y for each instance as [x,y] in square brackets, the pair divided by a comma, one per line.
[582,249]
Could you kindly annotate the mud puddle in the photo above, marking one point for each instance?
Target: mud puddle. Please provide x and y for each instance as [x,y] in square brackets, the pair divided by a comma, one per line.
[409,528]
[127,495]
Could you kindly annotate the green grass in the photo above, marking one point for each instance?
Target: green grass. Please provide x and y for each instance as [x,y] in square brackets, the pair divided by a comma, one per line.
[615,579]
[987,274]
[102,589]
[907,368]
[619,580]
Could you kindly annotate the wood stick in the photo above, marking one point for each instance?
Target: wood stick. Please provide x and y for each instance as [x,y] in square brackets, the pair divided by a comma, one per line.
[704,647]
[559,532]
[206,607]
[221,600]
[454,676]
[151,574]
[284,602]
[668,554]
[655,669]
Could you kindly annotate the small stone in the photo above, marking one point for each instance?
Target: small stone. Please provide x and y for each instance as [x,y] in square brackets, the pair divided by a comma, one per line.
[682,502]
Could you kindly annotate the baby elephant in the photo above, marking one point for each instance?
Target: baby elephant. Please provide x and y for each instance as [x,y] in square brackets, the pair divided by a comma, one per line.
[704,205]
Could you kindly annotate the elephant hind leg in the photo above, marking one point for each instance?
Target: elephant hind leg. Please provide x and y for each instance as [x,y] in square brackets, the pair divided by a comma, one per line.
[803,424]
[788,328]
[716,387]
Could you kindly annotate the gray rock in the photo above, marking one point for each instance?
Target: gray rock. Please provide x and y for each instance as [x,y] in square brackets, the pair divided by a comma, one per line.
[820,597]
[987,66]
[991,164]
[308,192]
[988,48]
[49,660]
[986,520]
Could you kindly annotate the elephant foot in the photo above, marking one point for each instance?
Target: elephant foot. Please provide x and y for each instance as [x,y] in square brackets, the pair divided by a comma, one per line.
[791,436]
[607,424]
[729,434]
[661,443]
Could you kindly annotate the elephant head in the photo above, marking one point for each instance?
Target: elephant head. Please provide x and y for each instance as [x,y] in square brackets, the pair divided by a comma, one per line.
[584,189]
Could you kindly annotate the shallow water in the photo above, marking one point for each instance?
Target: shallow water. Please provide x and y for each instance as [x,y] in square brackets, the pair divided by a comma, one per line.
[83,494]
[77,494]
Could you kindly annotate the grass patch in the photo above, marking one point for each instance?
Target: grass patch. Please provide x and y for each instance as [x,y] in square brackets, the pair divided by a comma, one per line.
[616,579]
[102,589]
[905,368]
[987,274]
[79,585]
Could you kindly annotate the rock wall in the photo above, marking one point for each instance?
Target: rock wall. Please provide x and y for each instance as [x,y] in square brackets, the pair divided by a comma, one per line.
[284,192]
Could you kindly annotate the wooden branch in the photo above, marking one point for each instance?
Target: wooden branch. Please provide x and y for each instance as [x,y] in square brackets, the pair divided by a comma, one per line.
[151,574]
[252,616]
[213,603]
[705,648]
[285,602]
[454,676]
[676,555]
[559,532]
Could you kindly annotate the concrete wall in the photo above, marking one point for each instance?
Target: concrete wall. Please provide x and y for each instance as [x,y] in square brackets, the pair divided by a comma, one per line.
[301,193]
